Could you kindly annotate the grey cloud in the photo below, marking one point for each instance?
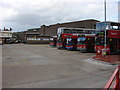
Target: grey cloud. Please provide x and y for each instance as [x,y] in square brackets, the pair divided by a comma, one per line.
[26,18]
[29,16]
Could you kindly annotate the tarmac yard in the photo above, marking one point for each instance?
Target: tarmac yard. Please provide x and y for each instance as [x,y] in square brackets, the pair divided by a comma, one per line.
[41,66]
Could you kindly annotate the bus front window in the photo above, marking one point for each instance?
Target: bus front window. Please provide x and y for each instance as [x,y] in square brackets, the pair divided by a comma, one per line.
[81,40]
[60,30]
[101,33]
[99,41]
[69,41]
[59,35]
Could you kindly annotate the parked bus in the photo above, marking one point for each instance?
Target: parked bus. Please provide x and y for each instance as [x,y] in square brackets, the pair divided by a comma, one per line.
[63,32]
[112,37]
[86,42]
[61,40]
[53,41]
[71,42]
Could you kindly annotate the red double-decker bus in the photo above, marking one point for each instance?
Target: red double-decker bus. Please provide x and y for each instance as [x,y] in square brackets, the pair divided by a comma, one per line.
[86,42]
[112,37]
[61,40]
[53,41]
[62,33]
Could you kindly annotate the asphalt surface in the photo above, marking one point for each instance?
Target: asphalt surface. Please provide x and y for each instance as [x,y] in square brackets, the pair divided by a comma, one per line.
[41,66]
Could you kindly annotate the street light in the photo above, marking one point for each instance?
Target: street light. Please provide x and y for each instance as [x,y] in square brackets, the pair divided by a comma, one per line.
[105,44]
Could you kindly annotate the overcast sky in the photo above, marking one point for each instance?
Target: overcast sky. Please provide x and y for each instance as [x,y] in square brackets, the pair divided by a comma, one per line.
[24,14]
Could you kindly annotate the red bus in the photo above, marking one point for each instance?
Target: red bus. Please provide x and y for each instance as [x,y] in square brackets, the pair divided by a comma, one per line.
[61,40]
[112,37]
[53,41]
[62,33]
[71,42]
[86,42]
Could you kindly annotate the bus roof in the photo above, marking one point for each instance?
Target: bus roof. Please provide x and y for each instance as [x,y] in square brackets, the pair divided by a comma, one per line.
[77,28]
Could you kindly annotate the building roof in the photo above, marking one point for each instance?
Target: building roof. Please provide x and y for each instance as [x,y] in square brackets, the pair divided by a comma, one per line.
[75,22]
[33,29]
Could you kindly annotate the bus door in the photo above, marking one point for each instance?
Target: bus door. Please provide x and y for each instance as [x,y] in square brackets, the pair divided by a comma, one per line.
[75,43]
[64,42]
[113,45]
[90,42]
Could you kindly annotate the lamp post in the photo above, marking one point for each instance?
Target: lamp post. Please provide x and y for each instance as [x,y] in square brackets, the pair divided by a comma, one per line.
[105,44]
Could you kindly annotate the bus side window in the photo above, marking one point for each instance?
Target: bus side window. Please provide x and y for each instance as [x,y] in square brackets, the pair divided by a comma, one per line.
[114,27]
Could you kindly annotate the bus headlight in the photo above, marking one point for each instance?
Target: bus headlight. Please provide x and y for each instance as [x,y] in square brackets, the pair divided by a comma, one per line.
[98,51]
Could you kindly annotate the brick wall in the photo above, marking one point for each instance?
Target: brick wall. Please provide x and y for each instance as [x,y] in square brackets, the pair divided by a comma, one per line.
[51,30]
